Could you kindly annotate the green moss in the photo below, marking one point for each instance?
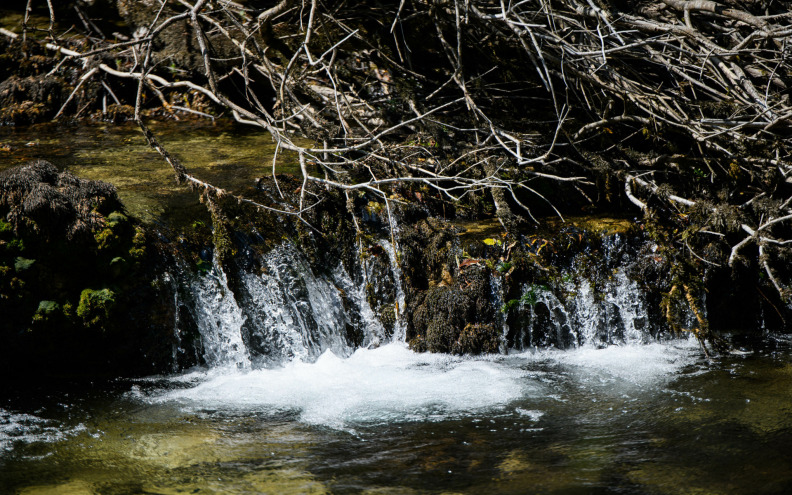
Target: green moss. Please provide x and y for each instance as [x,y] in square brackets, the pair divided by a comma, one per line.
[68,310]
[115,219]
[6,229]
[106,239]
[15,246]
[46,311]
[95,306]
[22,264]
[221,236]
[138,249]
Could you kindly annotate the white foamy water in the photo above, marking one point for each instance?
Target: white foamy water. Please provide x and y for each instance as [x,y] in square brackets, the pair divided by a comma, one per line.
[392,384]
[647,365]
[26,428]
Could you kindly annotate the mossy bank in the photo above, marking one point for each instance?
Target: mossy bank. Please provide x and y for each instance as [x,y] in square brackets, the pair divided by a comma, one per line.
[78,280]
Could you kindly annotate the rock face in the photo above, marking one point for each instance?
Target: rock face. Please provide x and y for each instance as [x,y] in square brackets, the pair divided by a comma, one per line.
[78,290]
[85,289]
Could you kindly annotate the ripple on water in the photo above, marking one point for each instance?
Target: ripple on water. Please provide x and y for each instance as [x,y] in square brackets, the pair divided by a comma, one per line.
[18,428]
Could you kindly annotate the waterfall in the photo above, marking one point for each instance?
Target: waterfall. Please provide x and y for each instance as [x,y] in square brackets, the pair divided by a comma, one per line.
[607,308]
[283,313]
[496,295]
[400,329]
[290,310]
[219,319]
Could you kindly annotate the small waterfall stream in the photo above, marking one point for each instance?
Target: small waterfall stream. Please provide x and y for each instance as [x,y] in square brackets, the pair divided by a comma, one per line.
[587,310]
[400,329]
[288,312]
[220,320]
[284,313]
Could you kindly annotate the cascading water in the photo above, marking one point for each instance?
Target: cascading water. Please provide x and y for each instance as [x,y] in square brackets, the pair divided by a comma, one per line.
[496,294]
[288,312]
[608,310]
[400,329]
[292,312]
[219,319]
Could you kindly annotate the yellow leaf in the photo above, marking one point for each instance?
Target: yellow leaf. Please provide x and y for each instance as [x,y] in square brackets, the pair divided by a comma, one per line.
[489,242]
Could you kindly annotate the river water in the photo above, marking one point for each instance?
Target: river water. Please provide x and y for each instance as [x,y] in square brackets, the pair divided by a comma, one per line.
[654,418]
[227,155]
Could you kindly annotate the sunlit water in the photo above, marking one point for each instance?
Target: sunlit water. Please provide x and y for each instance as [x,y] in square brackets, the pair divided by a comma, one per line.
[654,418]
[226,155]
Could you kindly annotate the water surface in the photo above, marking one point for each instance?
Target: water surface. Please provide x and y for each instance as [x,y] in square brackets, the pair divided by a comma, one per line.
[654,418]
[222,153]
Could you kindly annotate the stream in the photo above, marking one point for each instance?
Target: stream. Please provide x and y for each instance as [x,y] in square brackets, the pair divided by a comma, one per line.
[303,411]
[653,418]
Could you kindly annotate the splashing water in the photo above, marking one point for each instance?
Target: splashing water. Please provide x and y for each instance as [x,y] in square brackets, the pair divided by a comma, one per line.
[400,331]
[219,320]
[27,428]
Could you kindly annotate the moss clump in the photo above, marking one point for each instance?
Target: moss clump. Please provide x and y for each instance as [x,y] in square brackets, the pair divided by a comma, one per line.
[106,239]
[6,229]
[46,311]
[440,315]
[23,264]
[224,245]
[95,306]
[477,338]
[14,246]
[138,249]
[116,219]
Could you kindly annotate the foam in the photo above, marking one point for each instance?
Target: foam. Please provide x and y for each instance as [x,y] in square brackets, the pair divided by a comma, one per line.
[375,386]
[26,428]
[632,364]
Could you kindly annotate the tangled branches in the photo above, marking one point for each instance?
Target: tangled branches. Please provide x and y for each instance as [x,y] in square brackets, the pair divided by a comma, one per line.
[543,106]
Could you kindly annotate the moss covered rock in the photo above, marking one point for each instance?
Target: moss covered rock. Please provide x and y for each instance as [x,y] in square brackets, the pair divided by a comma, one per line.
[58,235]
[95,306]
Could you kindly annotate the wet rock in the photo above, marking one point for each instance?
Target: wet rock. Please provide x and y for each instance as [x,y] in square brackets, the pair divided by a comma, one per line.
[37,198]
[77,280]
[453,319]
[477,338]
[28,100]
